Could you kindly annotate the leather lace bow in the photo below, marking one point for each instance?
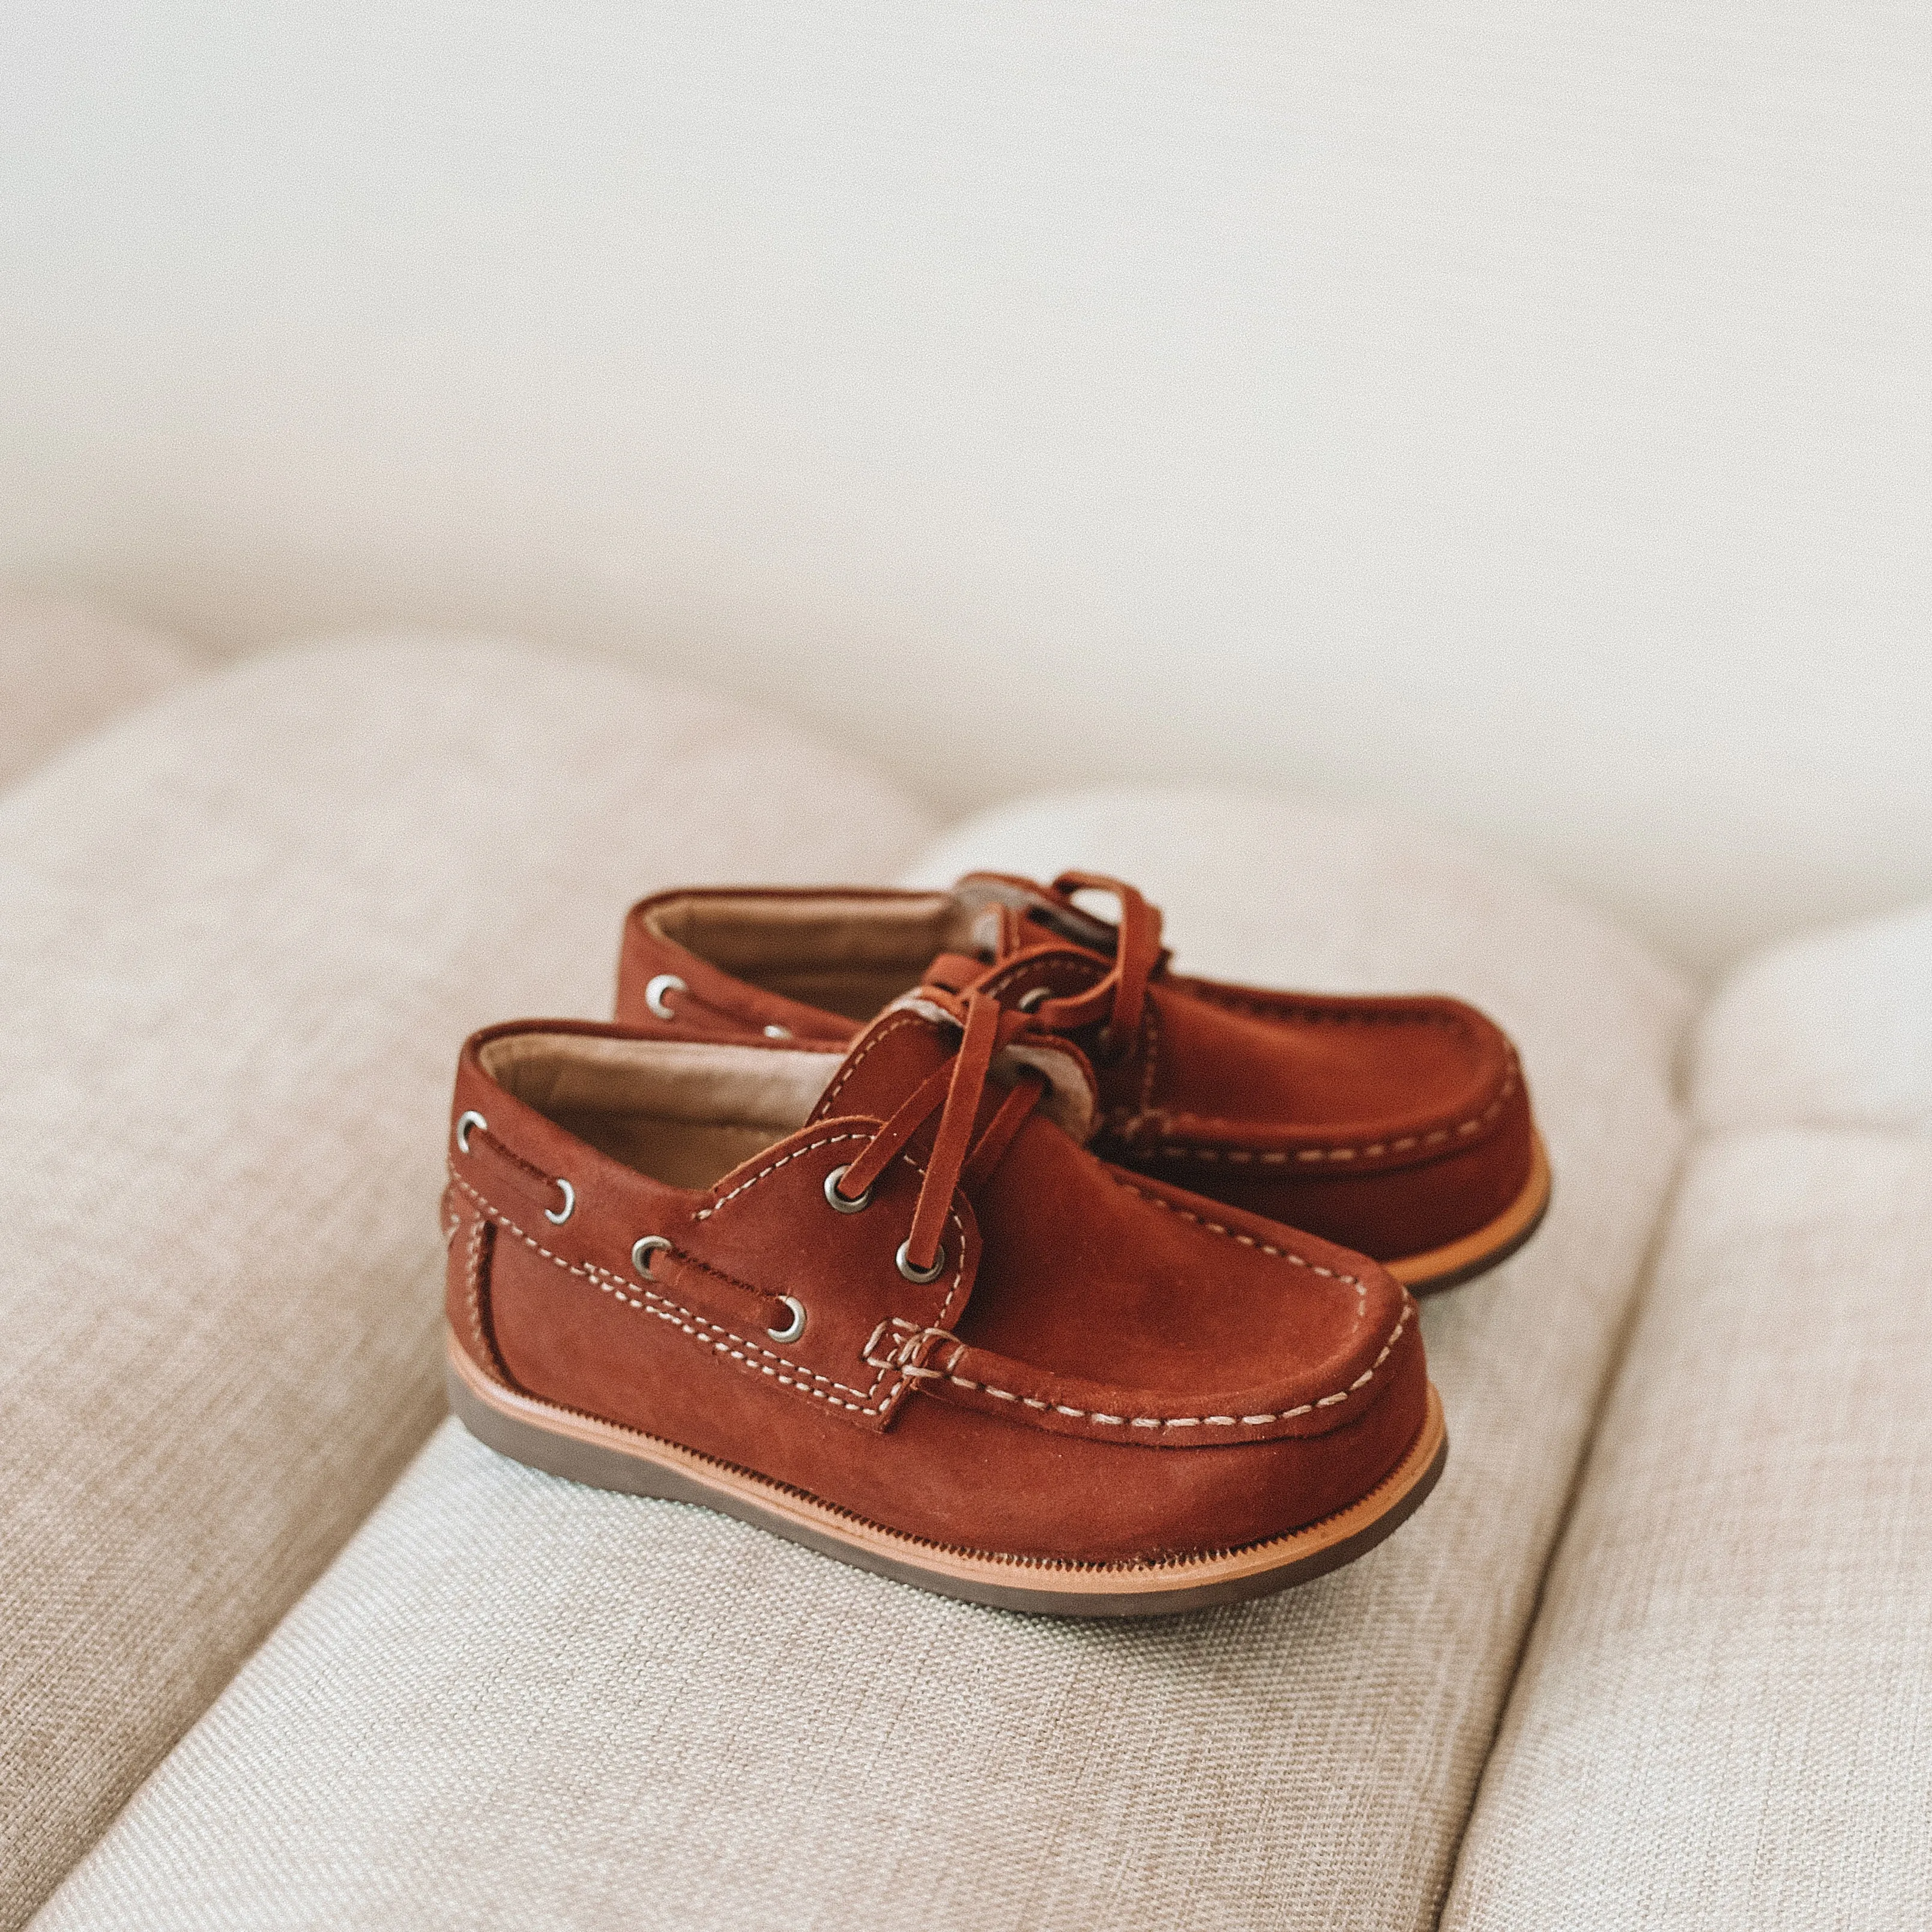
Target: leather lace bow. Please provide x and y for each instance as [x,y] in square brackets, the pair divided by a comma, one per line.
[959,1159]
[1118,997]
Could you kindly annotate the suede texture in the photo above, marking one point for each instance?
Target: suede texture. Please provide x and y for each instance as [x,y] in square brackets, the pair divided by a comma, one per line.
[1390,1125]
[1107,1369]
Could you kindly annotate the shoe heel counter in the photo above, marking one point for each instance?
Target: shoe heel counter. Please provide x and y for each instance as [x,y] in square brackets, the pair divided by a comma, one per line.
[636,963]
[466,1299]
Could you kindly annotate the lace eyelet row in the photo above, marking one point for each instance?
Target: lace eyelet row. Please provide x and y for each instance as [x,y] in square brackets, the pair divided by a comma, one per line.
[847,1204]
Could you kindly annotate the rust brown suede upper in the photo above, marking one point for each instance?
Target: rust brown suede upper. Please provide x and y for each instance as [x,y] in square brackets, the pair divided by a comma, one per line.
[1395,1125]
[1103,1368]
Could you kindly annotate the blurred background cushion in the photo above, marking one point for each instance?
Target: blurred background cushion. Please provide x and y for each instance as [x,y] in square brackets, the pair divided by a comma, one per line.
[1833,1028]
[1722,1720]
[513,1701]
[66,668]
[243,936]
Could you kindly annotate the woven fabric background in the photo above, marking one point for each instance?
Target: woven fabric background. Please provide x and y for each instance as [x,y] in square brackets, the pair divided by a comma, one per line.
[1832,1029]
[242,936]
[65,669]
[1725,1720]
[513,1702]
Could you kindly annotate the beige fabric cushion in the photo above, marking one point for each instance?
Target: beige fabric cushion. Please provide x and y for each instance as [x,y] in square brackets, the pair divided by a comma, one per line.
[242,937]
[1832,1029]
[65,669]
[1725,1718]
[512,1702]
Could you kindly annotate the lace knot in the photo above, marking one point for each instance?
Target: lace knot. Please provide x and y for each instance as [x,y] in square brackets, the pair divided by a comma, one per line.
[954,1091]
[1119,996]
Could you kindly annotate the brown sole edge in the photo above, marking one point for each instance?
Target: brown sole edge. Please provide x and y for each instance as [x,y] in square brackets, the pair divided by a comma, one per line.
[1458,1262]
[607,1457]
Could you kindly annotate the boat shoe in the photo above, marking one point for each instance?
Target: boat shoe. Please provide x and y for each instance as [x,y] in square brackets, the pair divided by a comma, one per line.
[1399,1127]
[879,1298]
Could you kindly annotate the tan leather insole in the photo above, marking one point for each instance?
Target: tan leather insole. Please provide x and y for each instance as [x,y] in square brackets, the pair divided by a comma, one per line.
[846,956]
[858,993]
[681,1153]
[682,1111]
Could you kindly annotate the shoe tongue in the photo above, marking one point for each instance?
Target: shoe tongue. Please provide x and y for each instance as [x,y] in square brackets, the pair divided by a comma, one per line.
[1001,904]
[904,1046]
[899,1050]
[957,971]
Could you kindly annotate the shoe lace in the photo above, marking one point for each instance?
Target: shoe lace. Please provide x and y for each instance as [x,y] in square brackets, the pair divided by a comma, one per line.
[958,1158]
[1120,996]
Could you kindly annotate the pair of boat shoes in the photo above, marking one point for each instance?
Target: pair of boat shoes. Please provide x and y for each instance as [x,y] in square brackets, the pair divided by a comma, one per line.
[955,1235]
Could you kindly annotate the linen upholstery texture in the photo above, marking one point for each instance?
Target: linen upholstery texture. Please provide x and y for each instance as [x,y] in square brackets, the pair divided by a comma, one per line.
[243,936]
[1725,1717]
[65,670]
[512,1701]
[1835,1028]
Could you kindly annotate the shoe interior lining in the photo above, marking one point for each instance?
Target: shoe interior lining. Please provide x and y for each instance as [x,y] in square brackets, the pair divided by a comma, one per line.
[683,1112]
[851,956]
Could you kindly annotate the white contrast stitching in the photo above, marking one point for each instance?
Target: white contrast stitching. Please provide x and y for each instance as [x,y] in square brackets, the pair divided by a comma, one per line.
[830,1140]
[616,1286]
[1173,1151]
[1367,1375]
[1263,1008]
[472,1269]
[852,1065]
[1355,1282]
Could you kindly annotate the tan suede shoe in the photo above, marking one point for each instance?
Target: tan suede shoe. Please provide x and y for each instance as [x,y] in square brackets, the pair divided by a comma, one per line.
[881,1299]
[1400,1127]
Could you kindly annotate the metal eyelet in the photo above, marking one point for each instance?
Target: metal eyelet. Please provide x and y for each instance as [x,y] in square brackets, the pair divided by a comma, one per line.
[920,1275]
[569,1203]
[794,1328]
[1028,1001]
[642,1249]
[777,1032]
[655,990]
[846,1204]
[464,1123]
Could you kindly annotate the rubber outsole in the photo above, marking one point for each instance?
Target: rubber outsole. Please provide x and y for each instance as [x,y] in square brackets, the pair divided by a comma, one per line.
[1458,1262]
[608,1456]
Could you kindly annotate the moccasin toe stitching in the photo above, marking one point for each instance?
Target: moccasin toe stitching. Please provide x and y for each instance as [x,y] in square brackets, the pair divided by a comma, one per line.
[1103,1370]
